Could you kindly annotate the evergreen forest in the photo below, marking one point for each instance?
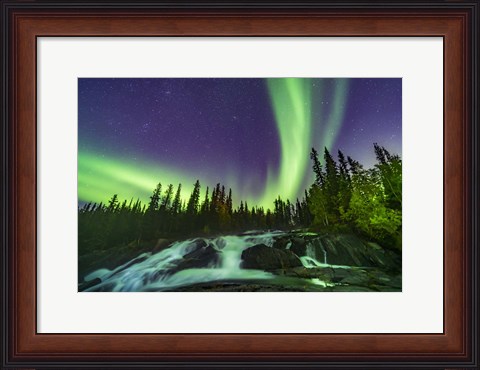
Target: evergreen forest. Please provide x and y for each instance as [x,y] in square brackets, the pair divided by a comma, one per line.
[344,198]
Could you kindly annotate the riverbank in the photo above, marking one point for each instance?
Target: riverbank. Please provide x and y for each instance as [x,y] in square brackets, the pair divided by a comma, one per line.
[254,261]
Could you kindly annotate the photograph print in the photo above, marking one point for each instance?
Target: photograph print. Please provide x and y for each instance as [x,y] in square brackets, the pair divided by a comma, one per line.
[240,185]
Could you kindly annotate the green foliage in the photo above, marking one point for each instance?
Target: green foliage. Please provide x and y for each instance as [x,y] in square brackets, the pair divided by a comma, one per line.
[103,227]
[344,197]
[369,210]
[368,202]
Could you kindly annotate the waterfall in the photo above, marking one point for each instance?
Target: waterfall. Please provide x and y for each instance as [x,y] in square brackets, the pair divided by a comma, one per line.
[310,258]
[163,270]
[310,251]
[320,244]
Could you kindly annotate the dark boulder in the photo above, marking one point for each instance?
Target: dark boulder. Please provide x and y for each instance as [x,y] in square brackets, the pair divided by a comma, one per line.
[299,247]
[202,257]
[348,250]
[262,257]
[281,242]
[220,243]
[293,242]
[195,245]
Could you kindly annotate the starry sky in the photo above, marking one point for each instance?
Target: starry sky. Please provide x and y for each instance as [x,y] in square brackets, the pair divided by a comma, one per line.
[253,135]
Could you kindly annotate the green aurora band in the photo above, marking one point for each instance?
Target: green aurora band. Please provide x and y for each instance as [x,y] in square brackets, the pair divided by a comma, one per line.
[291,104]
[333,124]
[292,100]
[99,177]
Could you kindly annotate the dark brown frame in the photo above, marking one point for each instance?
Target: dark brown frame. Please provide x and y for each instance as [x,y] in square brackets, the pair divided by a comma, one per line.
[456,22]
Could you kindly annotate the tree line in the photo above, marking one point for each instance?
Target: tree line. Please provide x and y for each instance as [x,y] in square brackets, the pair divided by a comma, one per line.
[347,197]
[344,197]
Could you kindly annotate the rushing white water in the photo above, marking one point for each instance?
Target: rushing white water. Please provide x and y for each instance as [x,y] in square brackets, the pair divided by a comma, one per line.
[310,262]
[317,281]
[214,259]
[162,270]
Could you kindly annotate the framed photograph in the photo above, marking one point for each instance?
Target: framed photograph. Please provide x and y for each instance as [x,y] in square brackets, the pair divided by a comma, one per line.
[337,227]
[255,185]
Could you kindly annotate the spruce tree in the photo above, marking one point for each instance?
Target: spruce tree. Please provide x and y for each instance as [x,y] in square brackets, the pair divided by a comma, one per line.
[193,202]
[177,201]
[317,167]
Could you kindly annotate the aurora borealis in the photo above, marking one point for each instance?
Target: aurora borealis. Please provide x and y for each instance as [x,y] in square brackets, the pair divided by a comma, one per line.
[252,135]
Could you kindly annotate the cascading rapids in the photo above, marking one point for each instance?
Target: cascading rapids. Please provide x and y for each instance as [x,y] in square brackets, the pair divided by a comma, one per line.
[159,271]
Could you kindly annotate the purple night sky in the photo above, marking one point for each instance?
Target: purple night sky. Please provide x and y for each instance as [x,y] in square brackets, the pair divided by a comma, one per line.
[226,130]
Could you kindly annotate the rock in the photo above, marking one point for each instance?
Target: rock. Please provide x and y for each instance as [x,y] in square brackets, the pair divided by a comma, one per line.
[220,243]
[88,284]
[299,242]
[340,274]
[299,247]
[262,257]
[383,288]
[281,242]
[358,278]
[115,256]
[351,288]
[202,257]
[322,273]
[293,243]
[347,250]
[344,250]
[396,282]
[195,245]
[238,287]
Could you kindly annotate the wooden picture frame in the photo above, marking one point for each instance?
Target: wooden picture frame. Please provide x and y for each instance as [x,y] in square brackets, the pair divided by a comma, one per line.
[456,22]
